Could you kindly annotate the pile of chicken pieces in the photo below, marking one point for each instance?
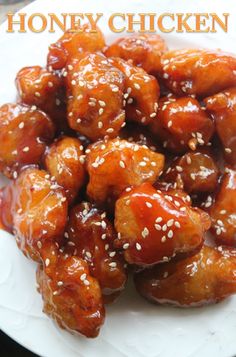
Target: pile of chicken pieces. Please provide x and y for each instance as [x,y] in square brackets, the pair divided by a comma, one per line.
[121,158]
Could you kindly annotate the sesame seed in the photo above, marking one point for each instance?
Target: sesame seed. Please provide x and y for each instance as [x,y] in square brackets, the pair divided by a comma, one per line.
[169,123]
[189,160]
[153,115]
[115,89]
[88,254]
[102,103]
[228,150]
[100,124]
[101,110]
[58,102]
[122,164]
[86,282]
[60,283]
[170,222]
[103,236]
[21,125]
[142,163]
[138,246]
[47,262]
[37,94]
[104,225]
[170,234]
[110,130]
[83,276]
[112,264]
[126,246]
[179,168]
[26,149]
[177,224]
[145,232]
[220,222]
[163,239]
[137,86]
[165,274]
[148,204]
[112,254]
[164,228]
[157,227]
[159,219]
[39,244]
[223,211]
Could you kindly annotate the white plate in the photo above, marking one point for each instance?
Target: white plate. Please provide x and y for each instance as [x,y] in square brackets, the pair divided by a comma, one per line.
[133,327]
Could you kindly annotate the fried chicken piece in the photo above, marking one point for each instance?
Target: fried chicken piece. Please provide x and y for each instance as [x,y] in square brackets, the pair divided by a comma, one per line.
[24,134]
[116,164]
[222,107]
[182,124]
[223,211]
[195,172]
[64,160]
[205,278]
[154,226]
[199,72]
[71,296]
[145,50]
[142,92]
[91,236]
[73,43]
[37,210]
[95,89]
[45,90]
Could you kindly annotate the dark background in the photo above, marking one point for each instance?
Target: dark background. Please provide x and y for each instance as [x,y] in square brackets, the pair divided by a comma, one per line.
[9,348]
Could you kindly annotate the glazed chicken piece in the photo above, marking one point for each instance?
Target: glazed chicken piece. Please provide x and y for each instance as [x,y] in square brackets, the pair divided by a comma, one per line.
[64,160]
[222,107]
[142,92]
[223,211]
[199,72]
[195,172]
[205,278]
[145,50]
[154,226]
[37,209]
[95,91]
[182,124]
[71,296]
[90,237]
[72,44]
[24,134]
[116,164]
[43,89]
